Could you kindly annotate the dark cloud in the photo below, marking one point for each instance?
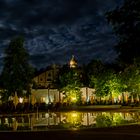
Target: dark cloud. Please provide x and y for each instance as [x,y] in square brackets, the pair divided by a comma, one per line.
[56,29]
[33,12]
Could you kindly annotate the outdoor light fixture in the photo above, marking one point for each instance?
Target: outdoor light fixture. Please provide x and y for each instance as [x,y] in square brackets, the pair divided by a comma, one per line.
[20,100]
[73,98]
[74,114]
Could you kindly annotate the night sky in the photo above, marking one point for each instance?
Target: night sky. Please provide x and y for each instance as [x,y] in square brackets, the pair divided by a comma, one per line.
[54,30]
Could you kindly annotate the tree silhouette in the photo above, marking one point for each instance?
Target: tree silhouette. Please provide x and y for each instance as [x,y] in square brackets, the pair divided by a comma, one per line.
[17,72]
[125,21]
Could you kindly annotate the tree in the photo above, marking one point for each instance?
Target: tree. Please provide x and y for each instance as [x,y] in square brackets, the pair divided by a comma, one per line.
[17,72]
[125,21]
[95,67]
[72,93]
[106,84]
[94,70]
[131,78]
[70,84]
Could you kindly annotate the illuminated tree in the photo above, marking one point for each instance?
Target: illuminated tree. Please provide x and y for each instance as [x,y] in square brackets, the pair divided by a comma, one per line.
[17,72]
[70,84]
[103,120]
[131,78]
[107,84]
[72,93]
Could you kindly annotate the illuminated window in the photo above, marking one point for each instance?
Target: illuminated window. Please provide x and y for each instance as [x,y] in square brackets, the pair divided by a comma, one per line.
[43,99]
[6,120]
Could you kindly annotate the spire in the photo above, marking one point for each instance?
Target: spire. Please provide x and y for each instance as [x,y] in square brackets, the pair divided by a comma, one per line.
[73,62]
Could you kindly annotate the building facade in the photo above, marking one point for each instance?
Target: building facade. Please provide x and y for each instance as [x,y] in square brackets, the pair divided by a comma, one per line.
[47,78]
[55,96]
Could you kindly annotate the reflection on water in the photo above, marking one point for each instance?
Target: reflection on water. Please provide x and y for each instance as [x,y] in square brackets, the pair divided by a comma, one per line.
[67,120]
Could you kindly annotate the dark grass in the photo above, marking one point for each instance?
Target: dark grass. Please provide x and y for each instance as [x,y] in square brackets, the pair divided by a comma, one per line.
[115,133]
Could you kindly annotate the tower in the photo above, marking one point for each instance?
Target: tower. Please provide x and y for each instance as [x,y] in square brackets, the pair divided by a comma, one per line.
[73,62]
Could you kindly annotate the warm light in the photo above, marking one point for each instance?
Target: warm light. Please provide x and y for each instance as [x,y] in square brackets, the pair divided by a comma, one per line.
[74,114]
[73,98]
[43,99]
[74,119]
[73,62]
[21,100]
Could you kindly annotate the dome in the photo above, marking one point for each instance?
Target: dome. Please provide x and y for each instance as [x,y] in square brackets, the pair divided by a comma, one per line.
[73,62]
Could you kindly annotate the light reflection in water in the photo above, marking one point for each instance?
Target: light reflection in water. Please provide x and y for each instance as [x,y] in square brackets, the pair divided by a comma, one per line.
[67,120]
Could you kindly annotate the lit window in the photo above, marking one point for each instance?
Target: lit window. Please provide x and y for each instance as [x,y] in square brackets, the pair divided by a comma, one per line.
[43,99]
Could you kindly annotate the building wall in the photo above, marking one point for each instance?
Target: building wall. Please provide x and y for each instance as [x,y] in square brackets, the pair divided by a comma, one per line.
[54,96]
[46,95]
[88,94]
[46,78]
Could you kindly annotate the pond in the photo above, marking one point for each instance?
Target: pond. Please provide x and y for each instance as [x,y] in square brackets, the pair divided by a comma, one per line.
[66,120]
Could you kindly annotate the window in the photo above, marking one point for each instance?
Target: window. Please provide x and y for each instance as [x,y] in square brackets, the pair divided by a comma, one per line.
[43,99]
[49,74]
[48,79]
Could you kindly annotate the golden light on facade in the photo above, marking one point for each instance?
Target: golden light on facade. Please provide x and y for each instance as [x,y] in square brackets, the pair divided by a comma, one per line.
[73,63]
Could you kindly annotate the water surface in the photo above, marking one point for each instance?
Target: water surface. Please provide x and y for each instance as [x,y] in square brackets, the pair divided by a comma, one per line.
[66,120]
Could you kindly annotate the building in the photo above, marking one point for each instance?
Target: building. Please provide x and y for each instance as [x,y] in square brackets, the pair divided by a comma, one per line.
[54,96]
[73,63]
[47,77]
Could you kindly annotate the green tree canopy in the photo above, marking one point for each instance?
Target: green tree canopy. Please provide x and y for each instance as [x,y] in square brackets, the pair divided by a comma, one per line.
[131,78]
[107,84]
[70,83]
[17,72]
[70,77]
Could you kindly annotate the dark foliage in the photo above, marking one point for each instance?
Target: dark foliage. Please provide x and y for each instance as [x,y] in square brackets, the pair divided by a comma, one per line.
[17,72]
[125,21]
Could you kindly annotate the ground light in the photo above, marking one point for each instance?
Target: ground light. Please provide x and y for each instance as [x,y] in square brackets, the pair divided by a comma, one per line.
[20,100]
[73,99]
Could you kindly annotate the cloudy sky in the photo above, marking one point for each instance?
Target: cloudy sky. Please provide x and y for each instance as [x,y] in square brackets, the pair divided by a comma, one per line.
[54,30]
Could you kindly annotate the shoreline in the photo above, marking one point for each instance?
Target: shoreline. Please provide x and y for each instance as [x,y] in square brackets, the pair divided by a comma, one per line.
[94,108]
